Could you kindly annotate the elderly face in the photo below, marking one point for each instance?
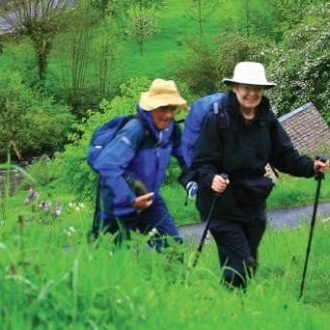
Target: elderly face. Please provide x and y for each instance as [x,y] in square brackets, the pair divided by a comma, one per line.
[248,96]
[163,116]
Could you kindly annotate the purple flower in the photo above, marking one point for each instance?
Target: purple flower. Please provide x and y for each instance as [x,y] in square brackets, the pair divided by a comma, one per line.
[32,194]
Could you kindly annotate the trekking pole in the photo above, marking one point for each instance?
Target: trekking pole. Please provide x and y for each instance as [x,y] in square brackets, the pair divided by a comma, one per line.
[207,225]
[318,177]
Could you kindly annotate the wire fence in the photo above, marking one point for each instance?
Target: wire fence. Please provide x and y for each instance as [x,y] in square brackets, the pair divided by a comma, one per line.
[10,180]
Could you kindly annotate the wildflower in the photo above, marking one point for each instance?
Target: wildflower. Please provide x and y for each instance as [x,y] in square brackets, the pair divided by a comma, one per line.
[71,231]
[31,196]
[77,206]
[45,205]
[57,210]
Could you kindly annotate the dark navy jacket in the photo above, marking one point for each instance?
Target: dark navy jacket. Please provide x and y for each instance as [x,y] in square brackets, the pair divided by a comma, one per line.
[242,151]
[139,151]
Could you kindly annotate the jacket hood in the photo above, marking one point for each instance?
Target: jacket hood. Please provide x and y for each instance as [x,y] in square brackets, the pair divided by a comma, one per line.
[158,134]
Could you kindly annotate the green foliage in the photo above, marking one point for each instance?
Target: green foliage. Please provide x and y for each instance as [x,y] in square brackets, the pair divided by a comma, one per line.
[19,57]
[201,11]
[116,8]
[291,13]
[60,282]
[249,18]
[142,24]
[210,60]
[301,64]
[39,26]
[34,123]
[86,59]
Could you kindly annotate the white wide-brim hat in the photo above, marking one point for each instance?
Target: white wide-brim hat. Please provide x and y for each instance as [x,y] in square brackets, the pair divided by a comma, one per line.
[249,73]
[161,93]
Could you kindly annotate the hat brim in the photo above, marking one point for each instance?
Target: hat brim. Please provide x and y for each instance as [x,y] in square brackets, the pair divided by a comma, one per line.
[230,82]
[149,103]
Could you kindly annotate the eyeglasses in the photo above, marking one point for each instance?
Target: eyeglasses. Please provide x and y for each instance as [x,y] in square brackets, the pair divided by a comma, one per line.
[168,108]
[253,87]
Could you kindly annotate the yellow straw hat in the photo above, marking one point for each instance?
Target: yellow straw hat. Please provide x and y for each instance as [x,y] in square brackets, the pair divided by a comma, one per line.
[161,93]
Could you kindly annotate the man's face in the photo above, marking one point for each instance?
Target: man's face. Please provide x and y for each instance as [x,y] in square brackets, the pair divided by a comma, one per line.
[163,116]
[248,96]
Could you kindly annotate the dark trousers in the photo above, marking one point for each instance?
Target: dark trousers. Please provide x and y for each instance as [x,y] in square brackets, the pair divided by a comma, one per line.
[155,221]
[237,244]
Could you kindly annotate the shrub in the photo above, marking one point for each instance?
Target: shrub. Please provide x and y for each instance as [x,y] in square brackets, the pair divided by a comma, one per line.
[33,122]
[300,64]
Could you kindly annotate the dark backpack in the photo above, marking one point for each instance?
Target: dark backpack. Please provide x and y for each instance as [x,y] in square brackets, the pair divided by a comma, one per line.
[103,135]
[195,117]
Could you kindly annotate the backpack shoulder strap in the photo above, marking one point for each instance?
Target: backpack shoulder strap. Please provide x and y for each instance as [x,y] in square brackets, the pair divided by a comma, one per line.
[221,112]
[176,133]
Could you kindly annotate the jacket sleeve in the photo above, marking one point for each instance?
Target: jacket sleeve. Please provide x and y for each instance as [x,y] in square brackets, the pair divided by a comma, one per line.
[114,159]
[207,152]
[285,157]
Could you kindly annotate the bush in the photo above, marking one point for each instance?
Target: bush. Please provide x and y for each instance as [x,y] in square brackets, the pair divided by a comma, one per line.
[301,64]
[35,124]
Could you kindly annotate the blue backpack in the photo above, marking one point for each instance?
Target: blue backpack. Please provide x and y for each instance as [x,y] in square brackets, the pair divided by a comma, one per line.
[105,134]
[194,120]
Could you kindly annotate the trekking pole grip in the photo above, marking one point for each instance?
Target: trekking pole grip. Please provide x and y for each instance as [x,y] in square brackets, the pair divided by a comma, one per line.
[322,158]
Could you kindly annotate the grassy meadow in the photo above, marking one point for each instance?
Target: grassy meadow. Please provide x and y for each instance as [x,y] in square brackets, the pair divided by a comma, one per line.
[51,278]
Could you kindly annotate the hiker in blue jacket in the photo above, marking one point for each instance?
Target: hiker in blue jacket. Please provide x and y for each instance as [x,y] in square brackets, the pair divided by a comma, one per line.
[132,168]
[253,138]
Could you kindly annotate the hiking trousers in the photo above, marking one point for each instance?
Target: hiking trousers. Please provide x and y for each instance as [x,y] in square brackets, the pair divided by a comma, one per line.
[156,221]
[237,245]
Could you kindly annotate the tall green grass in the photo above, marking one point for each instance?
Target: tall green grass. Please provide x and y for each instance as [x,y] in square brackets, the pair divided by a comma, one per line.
[50,278]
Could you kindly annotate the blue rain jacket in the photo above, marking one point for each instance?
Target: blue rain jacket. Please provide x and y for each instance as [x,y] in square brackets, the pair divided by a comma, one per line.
[139,151]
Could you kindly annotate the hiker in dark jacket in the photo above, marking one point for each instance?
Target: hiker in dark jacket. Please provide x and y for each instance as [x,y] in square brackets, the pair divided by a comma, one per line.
[241,151]
[132,168]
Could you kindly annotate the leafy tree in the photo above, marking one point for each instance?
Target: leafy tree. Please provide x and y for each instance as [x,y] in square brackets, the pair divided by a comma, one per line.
[88,53]
[40,21]
[209,61]
[201,10]
[75,50]
[292,12]
[115,8]
[142,24]
[300,64]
